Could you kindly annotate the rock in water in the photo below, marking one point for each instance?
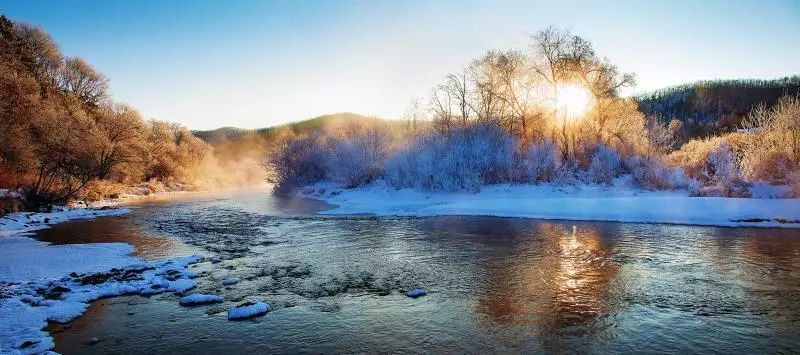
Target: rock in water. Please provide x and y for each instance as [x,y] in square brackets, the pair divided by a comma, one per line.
[248,310]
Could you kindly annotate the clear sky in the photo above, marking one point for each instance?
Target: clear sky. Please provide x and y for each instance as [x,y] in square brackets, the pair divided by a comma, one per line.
[252,64]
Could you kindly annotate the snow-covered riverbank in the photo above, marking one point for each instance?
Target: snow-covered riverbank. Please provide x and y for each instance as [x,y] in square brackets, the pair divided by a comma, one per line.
[573,202]
[40,282]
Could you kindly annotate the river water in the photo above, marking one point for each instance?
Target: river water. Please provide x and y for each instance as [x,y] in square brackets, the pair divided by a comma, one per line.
[495,284]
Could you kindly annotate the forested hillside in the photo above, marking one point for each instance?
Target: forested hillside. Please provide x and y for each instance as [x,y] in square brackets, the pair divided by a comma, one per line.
[718,106]
[63,136]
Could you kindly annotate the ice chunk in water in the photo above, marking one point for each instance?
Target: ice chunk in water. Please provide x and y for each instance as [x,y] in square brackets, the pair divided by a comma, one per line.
[248,310]
[198,299]
[417,292]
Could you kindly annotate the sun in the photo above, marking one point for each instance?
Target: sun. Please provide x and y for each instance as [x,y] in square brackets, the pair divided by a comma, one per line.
[573,100]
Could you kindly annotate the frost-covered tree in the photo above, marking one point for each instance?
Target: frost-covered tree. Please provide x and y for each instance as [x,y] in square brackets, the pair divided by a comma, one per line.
[605,165]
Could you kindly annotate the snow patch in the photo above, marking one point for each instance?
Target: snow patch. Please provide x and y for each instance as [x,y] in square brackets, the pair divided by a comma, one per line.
[248,310]
[24,258]
[198,299]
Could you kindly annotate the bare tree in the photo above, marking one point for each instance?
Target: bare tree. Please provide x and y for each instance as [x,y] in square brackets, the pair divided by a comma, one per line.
[414,114]
[457,87]
[517,91]
[442,109]
[43,52]
[549,50]
[120,133]
[484,73]
[79,78]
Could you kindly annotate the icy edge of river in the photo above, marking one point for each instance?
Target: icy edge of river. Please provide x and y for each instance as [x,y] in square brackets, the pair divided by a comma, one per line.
[618,203]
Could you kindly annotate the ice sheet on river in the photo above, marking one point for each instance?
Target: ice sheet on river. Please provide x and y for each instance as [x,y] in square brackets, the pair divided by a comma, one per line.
[618,203]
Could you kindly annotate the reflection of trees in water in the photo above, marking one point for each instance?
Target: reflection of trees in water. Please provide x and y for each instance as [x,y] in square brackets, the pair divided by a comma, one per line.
[124,229]
[556,284]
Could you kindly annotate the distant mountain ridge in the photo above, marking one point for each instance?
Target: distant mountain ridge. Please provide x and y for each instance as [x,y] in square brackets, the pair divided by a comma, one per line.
[226,134]
[240,144]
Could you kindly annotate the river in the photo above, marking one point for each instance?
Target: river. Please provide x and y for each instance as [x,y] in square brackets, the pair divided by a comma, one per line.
[495,284]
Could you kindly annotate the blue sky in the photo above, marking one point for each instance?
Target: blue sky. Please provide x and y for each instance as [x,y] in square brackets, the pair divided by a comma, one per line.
[208,64]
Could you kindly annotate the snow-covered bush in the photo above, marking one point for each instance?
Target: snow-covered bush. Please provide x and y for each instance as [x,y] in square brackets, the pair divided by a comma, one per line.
[794,184]
[693,156]
[566,173]
[722,164]
[298,162]
[461,161]
[605,165]
[653,173]
[765,190]
[540,161]
[357,159]
[723,171]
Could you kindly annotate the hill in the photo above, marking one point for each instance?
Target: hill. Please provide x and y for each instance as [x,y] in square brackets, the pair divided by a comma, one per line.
[243,150]
[714,107]
[226,135]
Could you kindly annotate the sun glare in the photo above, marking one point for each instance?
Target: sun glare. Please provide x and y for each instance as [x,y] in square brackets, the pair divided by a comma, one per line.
[573,100]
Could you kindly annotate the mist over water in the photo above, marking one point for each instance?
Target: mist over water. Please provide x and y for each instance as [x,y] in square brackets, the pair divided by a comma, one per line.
[495,284]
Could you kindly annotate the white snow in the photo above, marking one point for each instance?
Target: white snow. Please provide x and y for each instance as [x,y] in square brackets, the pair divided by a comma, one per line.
[199,298]
[618,203]
[26,307]
[23,258]
[248,310]
[22,222]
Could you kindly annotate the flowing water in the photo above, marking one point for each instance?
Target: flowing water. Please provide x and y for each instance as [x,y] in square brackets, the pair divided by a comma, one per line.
[495,284]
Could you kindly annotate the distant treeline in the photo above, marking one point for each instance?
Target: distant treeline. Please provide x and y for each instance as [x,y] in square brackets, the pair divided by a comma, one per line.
[61,134]
[718,106]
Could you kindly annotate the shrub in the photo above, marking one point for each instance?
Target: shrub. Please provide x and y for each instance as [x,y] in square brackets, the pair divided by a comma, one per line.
[794,183]
[605,165]
[298,162]
[693,157]
[358,159]
[724,174]
[103,189]
[767,191]
[10,204]
[541,162]
[769,166]
[653,173]
[463,161]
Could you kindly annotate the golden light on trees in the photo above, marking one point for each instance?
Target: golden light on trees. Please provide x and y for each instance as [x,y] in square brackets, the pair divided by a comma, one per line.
[573,100]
